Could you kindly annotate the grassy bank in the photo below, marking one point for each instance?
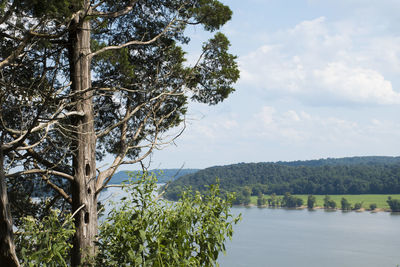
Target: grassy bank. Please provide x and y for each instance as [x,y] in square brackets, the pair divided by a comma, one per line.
[379,200]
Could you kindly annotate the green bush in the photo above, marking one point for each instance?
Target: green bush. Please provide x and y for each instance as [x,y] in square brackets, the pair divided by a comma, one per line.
[311,200]
[394,204]
[358,205]
[290,201]
[145,231]
[141,230]
[329,203]
[261,200]
[345,204]
[46,242]
[372,206]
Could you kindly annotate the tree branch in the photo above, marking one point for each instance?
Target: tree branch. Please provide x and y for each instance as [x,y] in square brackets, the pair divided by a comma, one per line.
[35,171]
[58,189]
[134,42]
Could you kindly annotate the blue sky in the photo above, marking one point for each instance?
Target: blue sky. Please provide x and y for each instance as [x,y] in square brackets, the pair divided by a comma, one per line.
[319,79]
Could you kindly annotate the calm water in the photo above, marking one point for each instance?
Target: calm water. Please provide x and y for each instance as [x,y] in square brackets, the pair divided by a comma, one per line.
[302,238]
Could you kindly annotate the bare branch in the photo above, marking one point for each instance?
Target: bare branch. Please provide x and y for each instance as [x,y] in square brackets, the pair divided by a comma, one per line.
[58,189]
[35,171]
[134,42]
[16,52]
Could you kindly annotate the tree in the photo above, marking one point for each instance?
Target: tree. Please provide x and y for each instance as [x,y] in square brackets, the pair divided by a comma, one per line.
[311,201]
[110,80]
[247,195]
[394,204]
[291,201]
[345,204]
[7,247]
[329,203]
[372,206]
[273,200]
[261,200]
[358,205]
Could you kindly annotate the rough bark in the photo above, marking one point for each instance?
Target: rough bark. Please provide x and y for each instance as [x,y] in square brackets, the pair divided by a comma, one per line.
[83,185]
[7,247]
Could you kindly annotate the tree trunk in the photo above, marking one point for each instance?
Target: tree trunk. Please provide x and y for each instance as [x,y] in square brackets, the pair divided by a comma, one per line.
[84,161]
[7,247]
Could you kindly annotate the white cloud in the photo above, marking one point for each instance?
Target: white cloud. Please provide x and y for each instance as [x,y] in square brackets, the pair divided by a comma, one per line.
[325,63]
[355,84]
[299,127]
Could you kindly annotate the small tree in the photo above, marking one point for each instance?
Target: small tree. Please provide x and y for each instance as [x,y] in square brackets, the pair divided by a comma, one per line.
[329,203]
[345,204]
[291,201]
[272,200]
[311,201]
[394,204]
[358,205]
[372,206]
[261,200]
[247,195]
[239,199]
[326,201]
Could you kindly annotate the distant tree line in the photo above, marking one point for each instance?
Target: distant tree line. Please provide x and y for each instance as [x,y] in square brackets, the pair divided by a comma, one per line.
[291,201]
[359,175]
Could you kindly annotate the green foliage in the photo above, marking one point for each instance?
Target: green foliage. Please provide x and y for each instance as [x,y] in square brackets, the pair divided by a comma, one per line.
[273,201]
[55,9]
[261,200]
[163,175]
[329,203]
[212,14]
[345,204]
[394,204]
[45,242]
[358,205]
[311,200]
[145,231]
[372,206]
[290,201]
[216,74]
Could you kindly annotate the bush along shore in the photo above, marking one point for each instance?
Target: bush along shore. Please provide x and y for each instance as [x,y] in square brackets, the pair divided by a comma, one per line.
[372,203]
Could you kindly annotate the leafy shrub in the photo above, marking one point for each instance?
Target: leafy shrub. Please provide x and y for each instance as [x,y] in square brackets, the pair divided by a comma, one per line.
[311,200]
[291,201]
[46,242]
[394,204]
[329,203]
[358,205]
[345,204]
[372,206]
[261,200]
[145,231]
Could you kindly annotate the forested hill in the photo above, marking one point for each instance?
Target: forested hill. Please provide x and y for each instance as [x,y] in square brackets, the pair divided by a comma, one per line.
[343,161]
[163,175]
[356,175]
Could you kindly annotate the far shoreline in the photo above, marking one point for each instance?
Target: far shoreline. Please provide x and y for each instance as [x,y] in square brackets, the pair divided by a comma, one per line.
[315,208]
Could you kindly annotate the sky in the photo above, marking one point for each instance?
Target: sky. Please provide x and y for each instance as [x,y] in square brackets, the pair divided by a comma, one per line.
[319,79]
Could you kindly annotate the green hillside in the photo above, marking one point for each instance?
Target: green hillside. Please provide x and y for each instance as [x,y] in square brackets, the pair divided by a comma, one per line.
[163,175]
[356,175]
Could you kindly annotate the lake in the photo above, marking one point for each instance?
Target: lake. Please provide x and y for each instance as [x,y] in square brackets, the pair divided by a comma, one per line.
[301,238]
